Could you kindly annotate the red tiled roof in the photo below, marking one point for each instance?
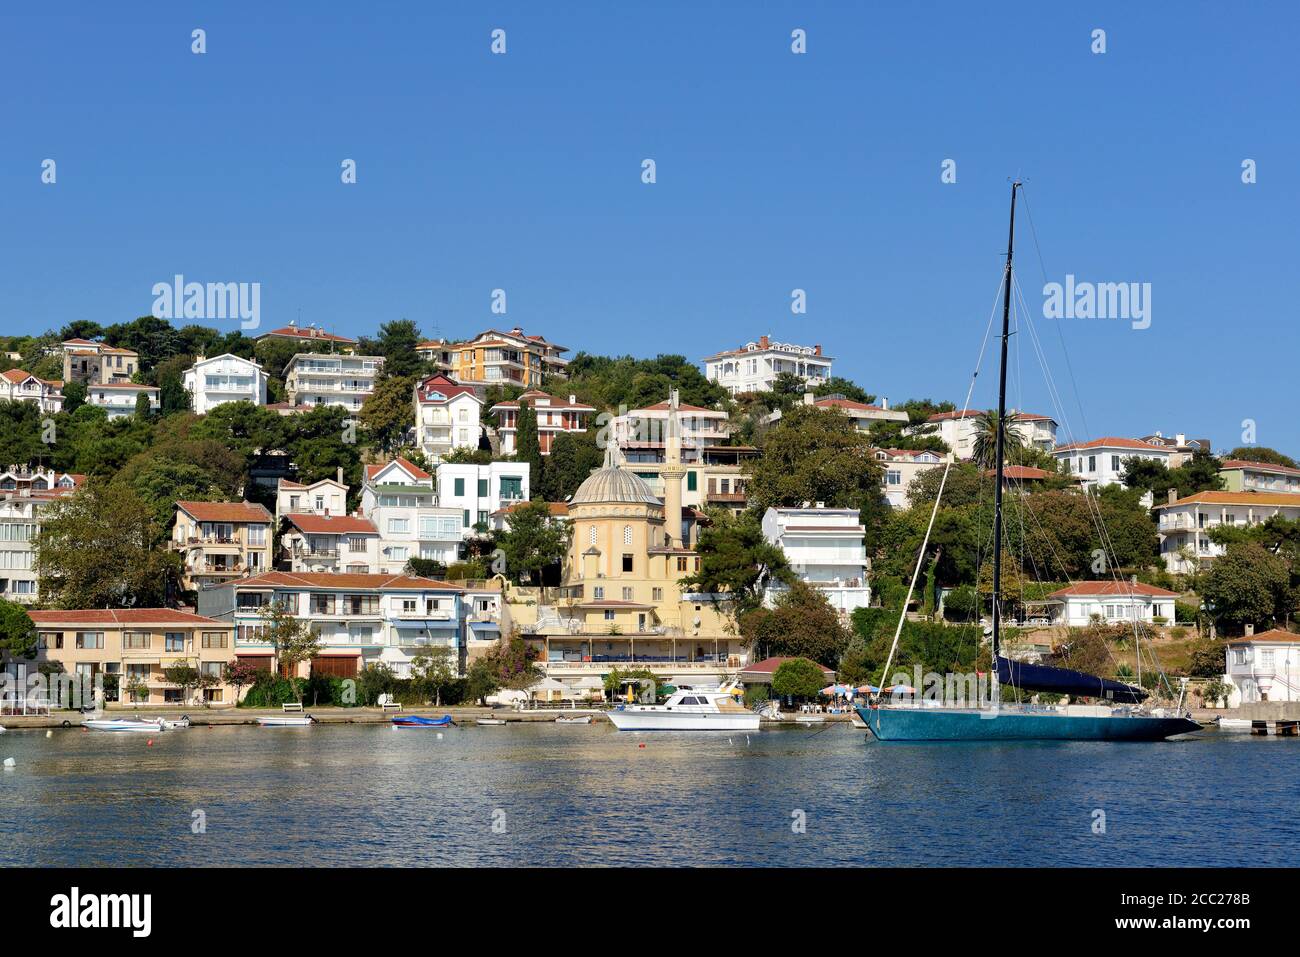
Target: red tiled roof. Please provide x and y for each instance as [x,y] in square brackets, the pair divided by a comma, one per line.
[294,332]
[1021,472]
[226,511]
[1119,589]
[121,616]
[534,394]
[331,524]
[682,407]
[1273,634]
[975,413]
[1113,442]
[445,385]
[414,470]
[769,665]
[18,376]
[557,509]
[1283,499]
[1258,467]
[341,580]
[828,403]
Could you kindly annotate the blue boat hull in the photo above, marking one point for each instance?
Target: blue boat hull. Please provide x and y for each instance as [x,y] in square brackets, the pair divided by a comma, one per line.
[935,724]
[416,721]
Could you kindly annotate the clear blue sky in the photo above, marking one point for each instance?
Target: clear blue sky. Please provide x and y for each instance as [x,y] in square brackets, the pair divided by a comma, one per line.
[775,171]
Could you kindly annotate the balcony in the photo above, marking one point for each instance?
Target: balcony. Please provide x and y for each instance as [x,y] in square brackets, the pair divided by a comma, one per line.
[315,551]
[236,568]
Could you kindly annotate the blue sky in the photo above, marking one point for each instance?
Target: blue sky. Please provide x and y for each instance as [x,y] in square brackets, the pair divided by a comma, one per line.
[775,172]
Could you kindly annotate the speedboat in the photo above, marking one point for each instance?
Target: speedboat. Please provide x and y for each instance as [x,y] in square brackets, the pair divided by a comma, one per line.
[175,724]
[285,720]
[489,720]
[688,710]
[573,719]
[153,725]
[419,721]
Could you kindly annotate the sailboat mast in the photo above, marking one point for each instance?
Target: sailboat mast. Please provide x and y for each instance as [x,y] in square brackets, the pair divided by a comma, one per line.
[998,452]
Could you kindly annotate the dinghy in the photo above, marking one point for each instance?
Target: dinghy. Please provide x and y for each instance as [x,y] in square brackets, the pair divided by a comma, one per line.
[573,719]
[417,721]
[123,724]
[285,720]
[490,721]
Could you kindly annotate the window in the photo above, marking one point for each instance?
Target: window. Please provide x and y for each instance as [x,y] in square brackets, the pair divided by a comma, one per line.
[247,601]
[681,563]
[408,606]
[214,639]
[627,594]
[598,592]
[137,640]
[627,562]
[212,668]
[1092,463]
[465,519]
[356,543]
[460,489]
[90,639]
[609,614]
[692,481]
[627,535]
[360,604]
[512,487]
[482,517]
[482,488]
[398,526]
[657,594]
[50,639]
[174,641]
[1114,467]
[322,604]
[398,553]
[257,535]
[591,535]
[893,477]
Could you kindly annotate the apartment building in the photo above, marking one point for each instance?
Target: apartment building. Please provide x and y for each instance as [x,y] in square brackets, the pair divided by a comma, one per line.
[446,416]
[328,543]
[19,386]
[1242,476]
[218,541]
[476,491]
[401,500]
[121,398]
[309,333]
[863,415]
[754,367]
[95,363]
[958,431]
[1101,461]
[1185,523]
[313,379]
[24,493]
[131,649]
[901,466]
[360,619]
[697,428]
[224,378]
[1263,667]
[494,357]
[554,415]
[825,549]
[322,497]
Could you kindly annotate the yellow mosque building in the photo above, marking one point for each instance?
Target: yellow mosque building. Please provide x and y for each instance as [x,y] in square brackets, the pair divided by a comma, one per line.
[621,603]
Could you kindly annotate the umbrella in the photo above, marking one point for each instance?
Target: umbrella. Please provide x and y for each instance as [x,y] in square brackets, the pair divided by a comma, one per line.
[900,689]
[868,689]
[837,690]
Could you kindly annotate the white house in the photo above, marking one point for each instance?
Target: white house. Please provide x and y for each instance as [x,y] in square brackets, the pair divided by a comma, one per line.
[901,466]
[1101,461]
[120,398]
[1185,523]
[361,619]
[1181,448]
[1263,667]
[19,386]
[329,543]
[400,498]
[755,366]
[825,548]
[24,493]
[446,416]
[1112,602]
[224,378]
[958,431]
[698,429]
[322,497]
[863,416]
[476,491]
[554,415]
[312,379]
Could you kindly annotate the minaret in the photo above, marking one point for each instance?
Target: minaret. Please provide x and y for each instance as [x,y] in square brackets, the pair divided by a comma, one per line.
[673,473]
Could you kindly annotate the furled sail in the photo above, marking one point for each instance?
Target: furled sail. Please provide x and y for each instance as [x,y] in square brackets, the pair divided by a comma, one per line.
[1029,677]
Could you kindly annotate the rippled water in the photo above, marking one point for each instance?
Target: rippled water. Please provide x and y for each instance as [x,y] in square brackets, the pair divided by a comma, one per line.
[587,795]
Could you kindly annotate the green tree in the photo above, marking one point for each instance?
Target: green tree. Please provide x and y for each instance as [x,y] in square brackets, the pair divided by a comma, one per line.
[527,443]
[389,412]
[21,430]
[984,446]
[798,678]
[184,676]
[1248,584]
[99,548]
[433,671]
[1261,453]
[291,638]
[143,408]
[532,541]
[396,343]
[574,455]
[1207,659]
[737,560]
[836,385]
[17,631]
[801,624]
[814,455]
[74,396]
[239,673]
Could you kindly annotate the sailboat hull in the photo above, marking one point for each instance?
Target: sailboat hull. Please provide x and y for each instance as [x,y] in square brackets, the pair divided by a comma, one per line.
[941,724]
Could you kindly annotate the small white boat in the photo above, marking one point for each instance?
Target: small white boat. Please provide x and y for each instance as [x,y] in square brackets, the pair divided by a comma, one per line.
[285,720]
[152,726]
[489,720]
[175,724]
[573,719]
[688,710]
[810,718]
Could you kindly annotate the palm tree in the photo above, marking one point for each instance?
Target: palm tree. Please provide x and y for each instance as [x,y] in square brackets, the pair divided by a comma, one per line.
[984,448]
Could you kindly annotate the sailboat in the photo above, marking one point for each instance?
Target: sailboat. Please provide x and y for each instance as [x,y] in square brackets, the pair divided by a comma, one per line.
[1122,718]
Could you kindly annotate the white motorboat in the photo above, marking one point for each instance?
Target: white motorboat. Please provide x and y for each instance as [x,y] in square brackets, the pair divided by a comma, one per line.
[490,721]
[811,718]
[152,726]
[573,719]
[285,720]
[688,710]
[175,724]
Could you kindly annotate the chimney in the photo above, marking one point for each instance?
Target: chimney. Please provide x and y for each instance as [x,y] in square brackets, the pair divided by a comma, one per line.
[817,350]
[339,473]
[1181,438]
[884,403]
[573,399]
[809,399]
[763,341]
[1250,631]
[1173,496]
[199,358]
[517,331]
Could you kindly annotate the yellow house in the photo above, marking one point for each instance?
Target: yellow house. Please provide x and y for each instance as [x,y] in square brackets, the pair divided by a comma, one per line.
[622,604]
[136,645]
[219,541]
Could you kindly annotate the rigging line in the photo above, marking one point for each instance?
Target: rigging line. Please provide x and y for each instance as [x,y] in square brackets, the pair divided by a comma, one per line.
[934,510]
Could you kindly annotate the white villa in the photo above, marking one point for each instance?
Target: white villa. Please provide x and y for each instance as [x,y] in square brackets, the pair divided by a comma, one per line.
[554,415]
[119,398]
[1101,461]
[312,379]
[958,432]
[1263,667]
[755,365]
[698,429]
[825,548]
[401,500]
[1112,601]
[19,386]
[446,416]
[864,416]
[1185,523]
[476,491]
[322,497]
[224,378]
[901,467]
